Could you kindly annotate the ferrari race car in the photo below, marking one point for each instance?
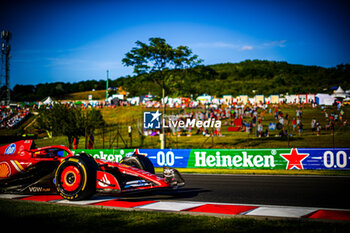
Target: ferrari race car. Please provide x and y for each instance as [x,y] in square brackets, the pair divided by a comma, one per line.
[55,169]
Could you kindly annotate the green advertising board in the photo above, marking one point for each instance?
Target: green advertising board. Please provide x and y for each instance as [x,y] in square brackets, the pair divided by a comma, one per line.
[282,158]
[112,155]
[238,159]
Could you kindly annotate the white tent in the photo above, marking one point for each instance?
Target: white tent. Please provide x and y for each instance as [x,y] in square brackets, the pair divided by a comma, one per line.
[324,99]
[205,99]
[47,101]
[339,93]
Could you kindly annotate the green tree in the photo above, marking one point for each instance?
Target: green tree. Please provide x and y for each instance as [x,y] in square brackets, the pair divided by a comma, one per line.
[157,58]
[159,61]
[92,119]
[68,121]
[62,120]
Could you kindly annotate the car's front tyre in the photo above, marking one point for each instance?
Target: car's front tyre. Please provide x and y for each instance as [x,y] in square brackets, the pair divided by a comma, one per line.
[75,177]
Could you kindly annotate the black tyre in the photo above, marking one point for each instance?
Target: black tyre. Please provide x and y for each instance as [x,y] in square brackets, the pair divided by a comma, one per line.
[75,177]
[140,162]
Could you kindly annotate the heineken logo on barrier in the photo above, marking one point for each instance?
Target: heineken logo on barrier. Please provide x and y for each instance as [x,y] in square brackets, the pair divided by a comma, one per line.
[294,159]
[250,159]
[285,159]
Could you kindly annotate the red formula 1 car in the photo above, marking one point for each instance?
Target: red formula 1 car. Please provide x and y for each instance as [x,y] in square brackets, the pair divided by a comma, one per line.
[26,169]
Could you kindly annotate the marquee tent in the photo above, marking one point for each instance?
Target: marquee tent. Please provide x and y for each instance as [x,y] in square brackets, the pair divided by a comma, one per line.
[324,99]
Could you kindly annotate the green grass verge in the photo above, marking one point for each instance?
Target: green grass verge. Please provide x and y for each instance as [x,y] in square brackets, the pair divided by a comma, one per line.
[23,216]
[260,171]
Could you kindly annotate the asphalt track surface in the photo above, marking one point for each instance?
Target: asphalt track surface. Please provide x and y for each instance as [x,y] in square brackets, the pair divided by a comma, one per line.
[307,191]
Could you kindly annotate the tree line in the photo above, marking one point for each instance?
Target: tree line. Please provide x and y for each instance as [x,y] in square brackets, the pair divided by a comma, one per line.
[247,77]
[72,122]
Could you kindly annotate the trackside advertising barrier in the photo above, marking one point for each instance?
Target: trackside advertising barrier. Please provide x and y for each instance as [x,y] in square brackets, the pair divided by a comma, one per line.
[285,159]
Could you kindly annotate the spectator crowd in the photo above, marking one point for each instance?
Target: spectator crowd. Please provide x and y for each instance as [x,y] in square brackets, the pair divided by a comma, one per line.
[11,118]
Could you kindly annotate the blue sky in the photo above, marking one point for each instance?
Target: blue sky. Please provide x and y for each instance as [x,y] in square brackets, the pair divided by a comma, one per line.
[71,41]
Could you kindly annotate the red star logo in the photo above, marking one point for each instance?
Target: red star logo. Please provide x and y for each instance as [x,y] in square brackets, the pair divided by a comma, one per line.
[136,151]
[294,159]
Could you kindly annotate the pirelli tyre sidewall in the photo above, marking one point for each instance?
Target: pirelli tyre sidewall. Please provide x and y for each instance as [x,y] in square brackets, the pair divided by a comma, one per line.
[75,178]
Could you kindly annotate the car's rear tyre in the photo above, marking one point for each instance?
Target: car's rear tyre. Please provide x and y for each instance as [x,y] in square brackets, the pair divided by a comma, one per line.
[140,162]
[75,177]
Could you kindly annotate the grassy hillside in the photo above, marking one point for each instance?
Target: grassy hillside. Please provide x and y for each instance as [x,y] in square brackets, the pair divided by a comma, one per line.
[84,95]
[119,118]
[115,134]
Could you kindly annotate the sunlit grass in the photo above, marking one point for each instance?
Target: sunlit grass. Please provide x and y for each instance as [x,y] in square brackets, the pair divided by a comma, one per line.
[26,216]
[115,134]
